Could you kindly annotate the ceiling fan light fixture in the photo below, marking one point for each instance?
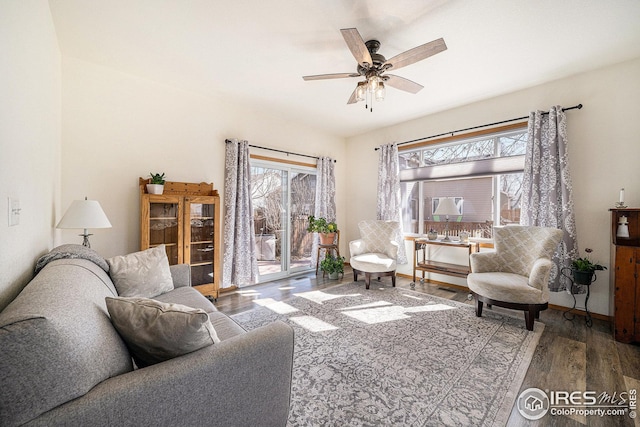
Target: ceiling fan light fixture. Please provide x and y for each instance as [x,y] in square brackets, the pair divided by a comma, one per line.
[361,91]
[374,82]
[380,92]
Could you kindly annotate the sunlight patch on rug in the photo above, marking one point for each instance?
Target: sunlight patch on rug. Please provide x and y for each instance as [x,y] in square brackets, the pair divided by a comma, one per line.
[319,296]
[387,313]
[313,324]
[378,315]
[429,307]
[276,306]
[373,304]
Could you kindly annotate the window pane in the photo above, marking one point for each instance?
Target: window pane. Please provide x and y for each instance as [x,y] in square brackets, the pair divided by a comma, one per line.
[476,217]
[409,160]
[409,194]
[510,197]
[457,153]
[513,145]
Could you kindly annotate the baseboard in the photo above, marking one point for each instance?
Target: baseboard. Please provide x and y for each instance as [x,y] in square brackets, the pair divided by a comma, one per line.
[551,306]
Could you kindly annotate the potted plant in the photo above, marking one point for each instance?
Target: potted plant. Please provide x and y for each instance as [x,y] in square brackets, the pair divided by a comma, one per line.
[156,183]
[325,229]
[332,265]
[584,270]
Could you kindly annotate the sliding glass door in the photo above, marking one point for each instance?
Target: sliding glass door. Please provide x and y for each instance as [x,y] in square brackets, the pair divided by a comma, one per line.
[283,197]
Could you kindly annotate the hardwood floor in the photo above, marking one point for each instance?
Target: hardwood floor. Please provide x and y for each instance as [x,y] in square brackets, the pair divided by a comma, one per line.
[569,357]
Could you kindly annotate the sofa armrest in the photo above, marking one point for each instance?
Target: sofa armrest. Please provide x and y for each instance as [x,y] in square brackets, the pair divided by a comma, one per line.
[181,275]
[242,381]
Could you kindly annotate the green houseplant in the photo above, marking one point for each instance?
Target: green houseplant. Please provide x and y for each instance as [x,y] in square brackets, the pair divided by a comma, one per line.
[583,269]
[332,265]
[156,183]
[325,229]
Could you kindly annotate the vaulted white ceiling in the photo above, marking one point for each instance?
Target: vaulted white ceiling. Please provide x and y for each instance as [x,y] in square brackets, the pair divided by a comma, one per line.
[256,51]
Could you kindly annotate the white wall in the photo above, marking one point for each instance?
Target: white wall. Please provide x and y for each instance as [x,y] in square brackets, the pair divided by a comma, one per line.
[29,138]
[603,149]
[117,128]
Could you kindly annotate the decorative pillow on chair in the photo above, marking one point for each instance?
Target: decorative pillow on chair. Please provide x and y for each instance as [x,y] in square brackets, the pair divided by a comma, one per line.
[141,274]
[377,234]
[156,331]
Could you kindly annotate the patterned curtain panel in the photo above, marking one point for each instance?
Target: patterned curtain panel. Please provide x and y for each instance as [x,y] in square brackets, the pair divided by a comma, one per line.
[325,198]
[547,198]
[239,263]
[389,199]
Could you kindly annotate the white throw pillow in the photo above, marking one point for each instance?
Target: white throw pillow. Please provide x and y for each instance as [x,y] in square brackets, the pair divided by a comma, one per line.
[141,274]
[156,331]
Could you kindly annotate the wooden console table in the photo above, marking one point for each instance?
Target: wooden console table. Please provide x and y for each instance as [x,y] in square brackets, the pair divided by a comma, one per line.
[422,263]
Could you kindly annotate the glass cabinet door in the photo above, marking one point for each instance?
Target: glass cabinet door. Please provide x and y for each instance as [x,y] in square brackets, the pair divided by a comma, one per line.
[164,227]
[200,248]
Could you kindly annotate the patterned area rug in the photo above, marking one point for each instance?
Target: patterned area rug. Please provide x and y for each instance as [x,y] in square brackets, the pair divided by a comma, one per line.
[393,357]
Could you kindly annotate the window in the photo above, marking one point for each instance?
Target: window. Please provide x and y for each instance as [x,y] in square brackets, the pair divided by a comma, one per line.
[483,173]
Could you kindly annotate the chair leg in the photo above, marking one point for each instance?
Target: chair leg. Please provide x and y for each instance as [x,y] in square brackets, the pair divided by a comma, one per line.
[529,317]
[367,280]
[355,275]
[393,280]
[478,308]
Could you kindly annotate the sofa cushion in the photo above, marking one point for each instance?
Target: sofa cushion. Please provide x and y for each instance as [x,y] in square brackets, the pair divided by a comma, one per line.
[156,331]
[141,274]
[56,340]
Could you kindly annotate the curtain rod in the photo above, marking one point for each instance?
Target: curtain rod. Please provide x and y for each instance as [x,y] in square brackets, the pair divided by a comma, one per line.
[579,106]
[280,151]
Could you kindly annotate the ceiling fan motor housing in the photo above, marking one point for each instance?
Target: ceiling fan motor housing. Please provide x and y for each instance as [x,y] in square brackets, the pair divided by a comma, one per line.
[378,60]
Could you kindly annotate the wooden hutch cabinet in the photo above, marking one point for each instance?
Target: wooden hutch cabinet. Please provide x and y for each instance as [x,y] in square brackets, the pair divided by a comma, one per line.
[626,260]
[186,219]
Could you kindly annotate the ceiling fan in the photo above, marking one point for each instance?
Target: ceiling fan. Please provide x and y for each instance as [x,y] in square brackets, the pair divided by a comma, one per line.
[373,66]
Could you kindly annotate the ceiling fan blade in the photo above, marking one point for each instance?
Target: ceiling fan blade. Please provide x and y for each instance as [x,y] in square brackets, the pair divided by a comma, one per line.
[357,47]
[330,76]
[417,54]
[352,98]
[403,84]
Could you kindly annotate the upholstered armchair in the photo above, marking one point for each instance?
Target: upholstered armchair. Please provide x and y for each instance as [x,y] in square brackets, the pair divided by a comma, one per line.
[375,253]
[516,275]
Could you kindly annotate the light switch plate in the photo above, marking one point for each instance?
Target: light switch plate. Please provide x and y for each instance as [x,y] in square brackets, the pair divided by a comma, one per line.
[14,211]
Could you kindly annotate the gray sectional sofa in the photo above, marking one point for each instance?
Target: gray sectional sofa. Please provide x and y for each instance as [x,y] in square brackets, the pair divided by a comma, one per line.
[63,363]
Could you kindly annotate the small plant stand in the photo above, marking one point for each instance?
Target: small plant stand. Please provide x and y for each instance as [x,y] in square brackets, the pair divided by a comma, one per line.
[335,247]
[568,313]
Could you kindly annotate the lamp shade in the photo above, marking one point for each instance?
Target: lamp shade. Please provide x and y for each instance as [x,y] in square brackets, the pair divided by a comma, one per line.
[447,206]
[84,214]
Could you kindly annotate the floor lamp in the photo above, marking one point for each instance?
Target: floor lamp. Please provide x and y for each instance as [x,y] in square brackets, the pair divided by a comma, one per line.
[446,207]
[84,214]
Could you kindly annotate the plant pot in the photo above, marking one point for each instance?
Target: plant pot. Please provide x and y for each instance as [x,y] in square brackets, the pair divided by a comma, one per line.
[327,238]
[155,188]
[582,277]
[334,275]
